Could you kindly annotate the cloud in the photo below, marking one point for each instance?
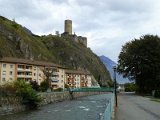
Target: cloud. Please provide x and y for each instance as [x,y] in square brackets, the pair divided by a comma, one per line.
[107,24]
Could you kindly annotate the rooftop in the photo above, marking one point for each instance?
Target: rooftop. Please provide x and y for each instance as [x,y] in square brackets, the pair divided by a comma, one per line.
[27,61]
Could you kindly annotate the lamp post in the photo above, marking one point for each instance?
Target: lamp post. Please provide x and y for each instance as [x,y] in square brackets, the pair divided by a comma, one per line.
[115,84]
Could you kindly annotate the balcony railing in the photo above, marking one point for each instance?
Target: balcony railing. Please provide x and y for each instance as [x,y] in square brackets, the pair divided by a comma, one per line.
[20,76]
[20,69]
[24,76]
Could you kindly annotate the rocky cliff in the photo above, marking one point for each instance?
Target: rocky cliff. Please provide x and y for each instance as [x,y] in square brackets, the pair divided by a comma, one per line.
[18,41]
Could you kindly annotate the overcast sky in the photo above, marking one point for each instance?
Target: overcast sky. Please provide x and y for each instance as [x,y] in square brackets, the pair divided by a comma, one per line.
[108,24]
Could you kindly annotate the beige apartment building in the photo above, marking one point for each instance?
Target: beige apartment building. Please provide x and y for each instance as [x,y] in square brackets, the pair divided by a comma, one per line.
[29,70]
[77,79]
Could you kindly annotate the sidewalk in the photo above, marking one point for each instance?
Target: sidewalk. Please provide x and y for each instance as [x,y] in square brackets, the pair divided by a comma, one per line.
[132,107]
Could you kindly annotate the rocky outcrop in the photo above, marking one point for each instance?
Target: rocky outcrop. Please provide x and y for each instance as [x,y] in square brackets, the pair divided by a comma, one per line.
[16,41]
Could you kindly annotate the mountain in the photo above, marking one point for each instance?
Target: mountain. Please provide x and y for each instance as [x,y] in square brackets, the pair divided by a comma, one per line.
[18,41]
[109,65]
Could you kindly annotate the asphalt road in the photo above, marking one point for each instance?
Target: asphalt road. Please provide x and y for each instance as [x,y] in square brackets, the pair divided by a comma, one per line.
[85,108]
[133,107]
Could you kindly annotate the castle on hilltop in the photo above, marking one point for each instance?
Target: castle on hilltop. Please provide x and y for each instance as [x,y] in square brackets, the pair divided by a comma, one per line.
[68,33]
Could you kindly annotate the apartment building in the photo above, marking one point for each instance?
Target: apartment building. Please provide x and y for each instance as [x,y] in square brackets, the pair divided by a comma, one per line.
[58,78]
[77,79]
[30,70]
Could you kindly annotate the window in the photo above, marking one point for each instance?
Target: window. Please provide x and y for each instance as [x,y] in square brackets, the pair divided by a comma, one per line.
[4,65]
[3,79]
[34,68]
[34,74]
[11,66]
[62,76]
[4,73]
[61,80]
[10,79]
[11,73]
[40,75]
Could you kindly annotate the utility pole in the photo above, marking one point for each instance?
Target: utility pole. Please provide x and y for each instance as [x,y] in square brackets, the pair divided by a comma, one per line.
[115,84]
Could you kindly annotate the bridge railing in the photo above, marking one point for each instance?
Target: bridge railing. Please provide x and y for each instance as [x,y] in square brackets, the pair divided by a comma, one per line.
[102,89]
[107,115]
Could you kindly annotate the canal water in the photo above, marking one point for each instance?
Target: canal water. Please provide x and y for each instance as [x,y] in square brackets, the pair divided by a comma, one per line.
[85,108]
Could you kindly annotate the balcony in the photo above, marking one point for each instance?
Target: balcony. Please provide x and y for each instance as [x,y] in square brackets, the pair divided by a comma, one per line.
[28,70]
[20,69]
[21,76]
[28,76]
[24,76]
[55,73]
[54,80]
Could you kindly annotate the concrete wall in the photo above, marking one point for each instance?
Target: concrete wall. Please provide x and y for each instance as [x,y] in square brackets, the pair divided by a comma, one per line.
[10,104]
[54,97]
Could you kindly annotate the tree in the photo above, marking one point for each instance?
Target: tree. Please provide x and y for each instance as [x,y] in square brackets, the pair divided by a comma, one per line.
[44,86]
[130,87]
[139,60]
[34,85]
[48,72]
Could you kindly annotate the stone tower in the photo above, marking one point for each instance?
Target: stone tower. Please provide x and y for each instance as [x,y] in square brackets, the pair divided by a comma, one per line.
[68,27]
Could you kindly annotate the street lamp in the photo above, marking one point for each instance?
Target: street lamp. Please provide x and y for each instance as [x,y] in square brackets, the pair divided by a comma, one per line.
[115,84]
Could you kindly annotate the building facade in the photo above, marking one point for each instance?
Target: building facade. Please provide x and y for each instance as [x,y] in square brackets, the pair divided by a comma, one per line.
[22,69]
[77,79]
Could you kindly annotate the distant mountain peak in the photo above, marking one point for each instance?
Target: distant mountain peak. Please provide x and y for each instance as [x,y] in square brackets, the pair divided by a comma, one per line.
[109,65]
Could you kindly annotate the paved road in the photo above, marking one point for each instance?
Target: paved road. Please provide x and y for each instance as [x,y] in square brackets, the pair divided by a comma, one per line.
[86,108]
[133,107]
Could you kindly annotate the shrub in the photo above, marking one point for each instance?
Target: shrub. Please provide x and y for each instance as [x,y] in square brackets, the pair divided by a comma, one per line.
[130,87]
[157,94]
[44,86]
[29,95]
[110,83]
[35,85]
[58,90]
[7,89]
[66,86]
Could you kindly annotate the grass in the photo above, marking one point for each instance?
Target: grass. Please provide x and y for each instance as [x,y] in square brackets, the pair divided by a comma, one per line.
[155,99]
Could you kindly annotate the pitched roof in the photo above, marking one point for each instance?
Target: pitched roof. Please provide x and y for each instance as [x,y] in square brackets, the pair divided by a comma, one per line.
[27,61]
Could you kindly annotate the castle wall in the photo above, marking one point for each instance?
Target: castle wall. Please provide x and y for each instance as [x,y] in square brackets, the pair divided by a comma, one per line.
[82,40]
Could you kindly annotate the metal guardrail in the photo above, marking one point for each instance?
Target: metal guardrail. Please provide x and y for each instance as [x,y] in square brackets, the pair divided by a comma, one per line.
[91,89]
[107,115]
